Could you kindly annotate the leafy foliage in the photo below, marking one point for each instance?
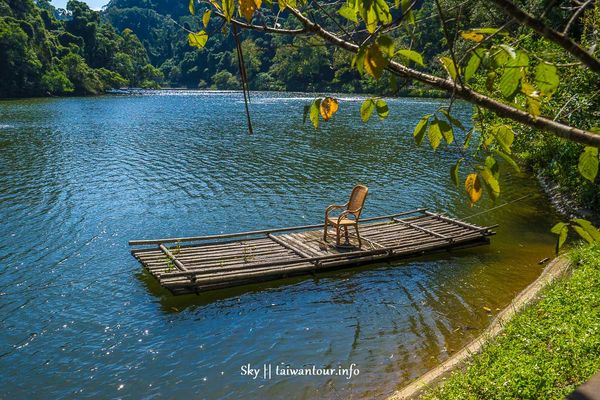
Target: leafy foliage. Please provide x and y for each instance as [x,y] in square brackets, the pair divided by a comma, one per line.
[48,51]
[546,350]
[582,227]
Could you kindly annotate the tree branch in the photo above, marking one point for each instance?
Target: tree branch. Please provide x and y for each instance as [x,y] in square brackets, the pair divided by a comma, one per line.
[576,14]
[263,28]
[540,27]
[466,93]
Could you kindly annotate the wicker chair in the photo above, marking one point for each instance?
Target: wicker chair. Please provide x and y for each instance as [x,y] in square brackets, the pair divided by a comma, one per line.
[352,208]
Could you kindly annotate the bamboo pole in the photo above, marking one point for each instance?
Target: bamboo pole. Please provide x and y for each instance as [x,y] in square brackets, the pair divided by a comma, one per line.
[260,232]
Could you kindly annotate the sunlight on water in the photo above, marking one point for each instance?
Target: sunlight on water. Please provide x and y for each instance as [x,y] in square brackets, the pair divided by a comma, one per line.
[82,176]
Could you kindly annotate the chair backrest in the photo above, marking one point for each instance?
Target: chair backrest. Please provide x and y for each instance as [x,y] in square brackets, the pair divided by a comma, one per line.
[357,200]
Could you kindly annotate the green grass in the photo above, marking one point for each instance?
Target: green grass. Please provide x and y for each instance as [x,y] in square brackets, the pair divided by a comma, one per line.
[546,350]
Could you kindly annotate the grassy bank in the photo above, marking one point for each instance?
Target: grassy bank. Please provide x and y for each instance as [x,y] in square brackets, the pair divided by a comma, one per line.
[547,350]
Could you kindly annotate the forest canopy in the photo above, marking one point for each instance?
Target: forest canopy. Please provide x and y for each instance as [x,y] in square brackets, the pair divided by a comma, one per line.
[45,51]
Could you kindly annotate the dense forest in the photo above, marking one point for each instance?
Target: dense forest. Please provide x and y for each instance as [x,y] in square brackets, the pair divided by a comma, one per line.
[45,51]
[274,62]
[144,43]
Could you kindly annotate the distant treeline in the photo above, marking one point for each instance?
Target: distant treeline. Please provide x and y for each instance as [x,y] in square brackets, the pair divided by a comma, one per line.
[274,62]
[143,43]
[45,51]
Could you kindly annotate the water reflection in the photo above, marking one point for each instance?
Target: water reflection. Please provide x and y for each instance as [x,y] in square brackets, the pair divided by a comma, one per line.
[80,177]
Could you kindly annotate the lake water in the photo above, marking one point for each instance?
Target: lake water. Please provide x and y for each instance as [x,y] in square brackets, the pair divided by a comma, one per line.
[79,177]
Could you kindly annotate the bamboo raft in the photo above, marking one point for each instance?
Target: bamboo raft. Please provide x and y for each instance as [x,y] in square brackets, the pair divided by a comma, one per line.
[197,264]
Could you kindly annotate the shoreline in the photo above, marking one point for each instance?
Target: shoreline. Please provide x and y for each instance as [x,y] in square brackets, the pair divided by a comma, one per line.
[127,91]
[555,269]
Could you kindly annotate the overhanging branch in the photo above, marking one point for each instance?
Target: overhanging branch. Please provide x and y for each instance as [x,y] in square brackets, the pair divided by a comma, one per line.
[263,28]
[504,110]
[540,27]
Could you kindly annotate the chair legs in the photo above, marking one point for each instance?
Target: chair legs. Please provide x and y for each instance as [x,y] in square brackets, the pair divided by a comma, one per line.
[357,236]
[337,234]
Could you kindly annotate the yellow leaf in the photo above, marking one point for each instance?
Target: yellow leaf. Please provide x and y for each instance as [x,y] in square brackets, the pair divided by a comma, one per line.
[206,18]
[374,62]
[247,8]
[473,188]
[228,9]
[328,107]
[449,66]
[198,39]
[470,35]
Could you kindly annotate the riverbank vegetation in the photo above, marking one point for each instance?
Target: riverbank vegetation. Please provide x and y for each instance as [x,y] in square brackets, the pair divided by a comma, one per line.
[547,350]
[44,51]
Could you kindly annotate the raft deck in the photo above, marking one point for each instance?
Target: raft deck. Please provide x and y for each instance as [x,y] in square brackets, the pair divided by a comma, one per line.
[198,264]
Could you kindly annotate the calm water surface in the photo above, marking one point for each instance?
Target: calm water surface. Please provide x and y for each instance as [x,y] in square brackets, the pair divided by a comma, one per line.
[81,177]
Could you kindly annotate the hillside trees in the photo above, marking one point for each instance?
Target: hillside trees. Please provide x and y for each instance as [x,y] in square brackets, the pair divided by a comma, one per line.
[46,51]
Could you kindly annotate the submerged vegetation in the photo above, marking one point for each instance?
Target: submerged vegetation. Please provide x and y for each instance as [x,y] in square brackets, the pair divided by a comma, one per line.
[547,350]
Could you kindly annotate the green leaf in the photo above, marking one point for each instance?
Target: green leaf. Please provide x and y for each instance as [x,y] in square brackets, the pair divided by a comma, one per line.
[449,66]
[419,132]
[382,10]
[588,163]
[468,138]
[314,112]
[366,109]
[454,172]
[584,235]
[588,228]
[358,60]
[562,238]
[192,7]
[509,81]
[508,159]
[228,8]
[411,55]
[349,13]
[546,78]
[511,52]
[435,133]
[367,13]
[197,40]
[206,18]
[487,31]
[492,165]
[382,109]
[491,182]
[407,12]
[556,229]
[505,137]
[446,130]
[451,119]
[511,77]
[473,63]
[386,45]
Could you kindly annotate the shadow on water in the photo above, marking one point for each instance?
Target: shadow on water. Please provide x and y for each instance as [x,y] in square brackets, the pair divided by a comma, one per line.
[177,303]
